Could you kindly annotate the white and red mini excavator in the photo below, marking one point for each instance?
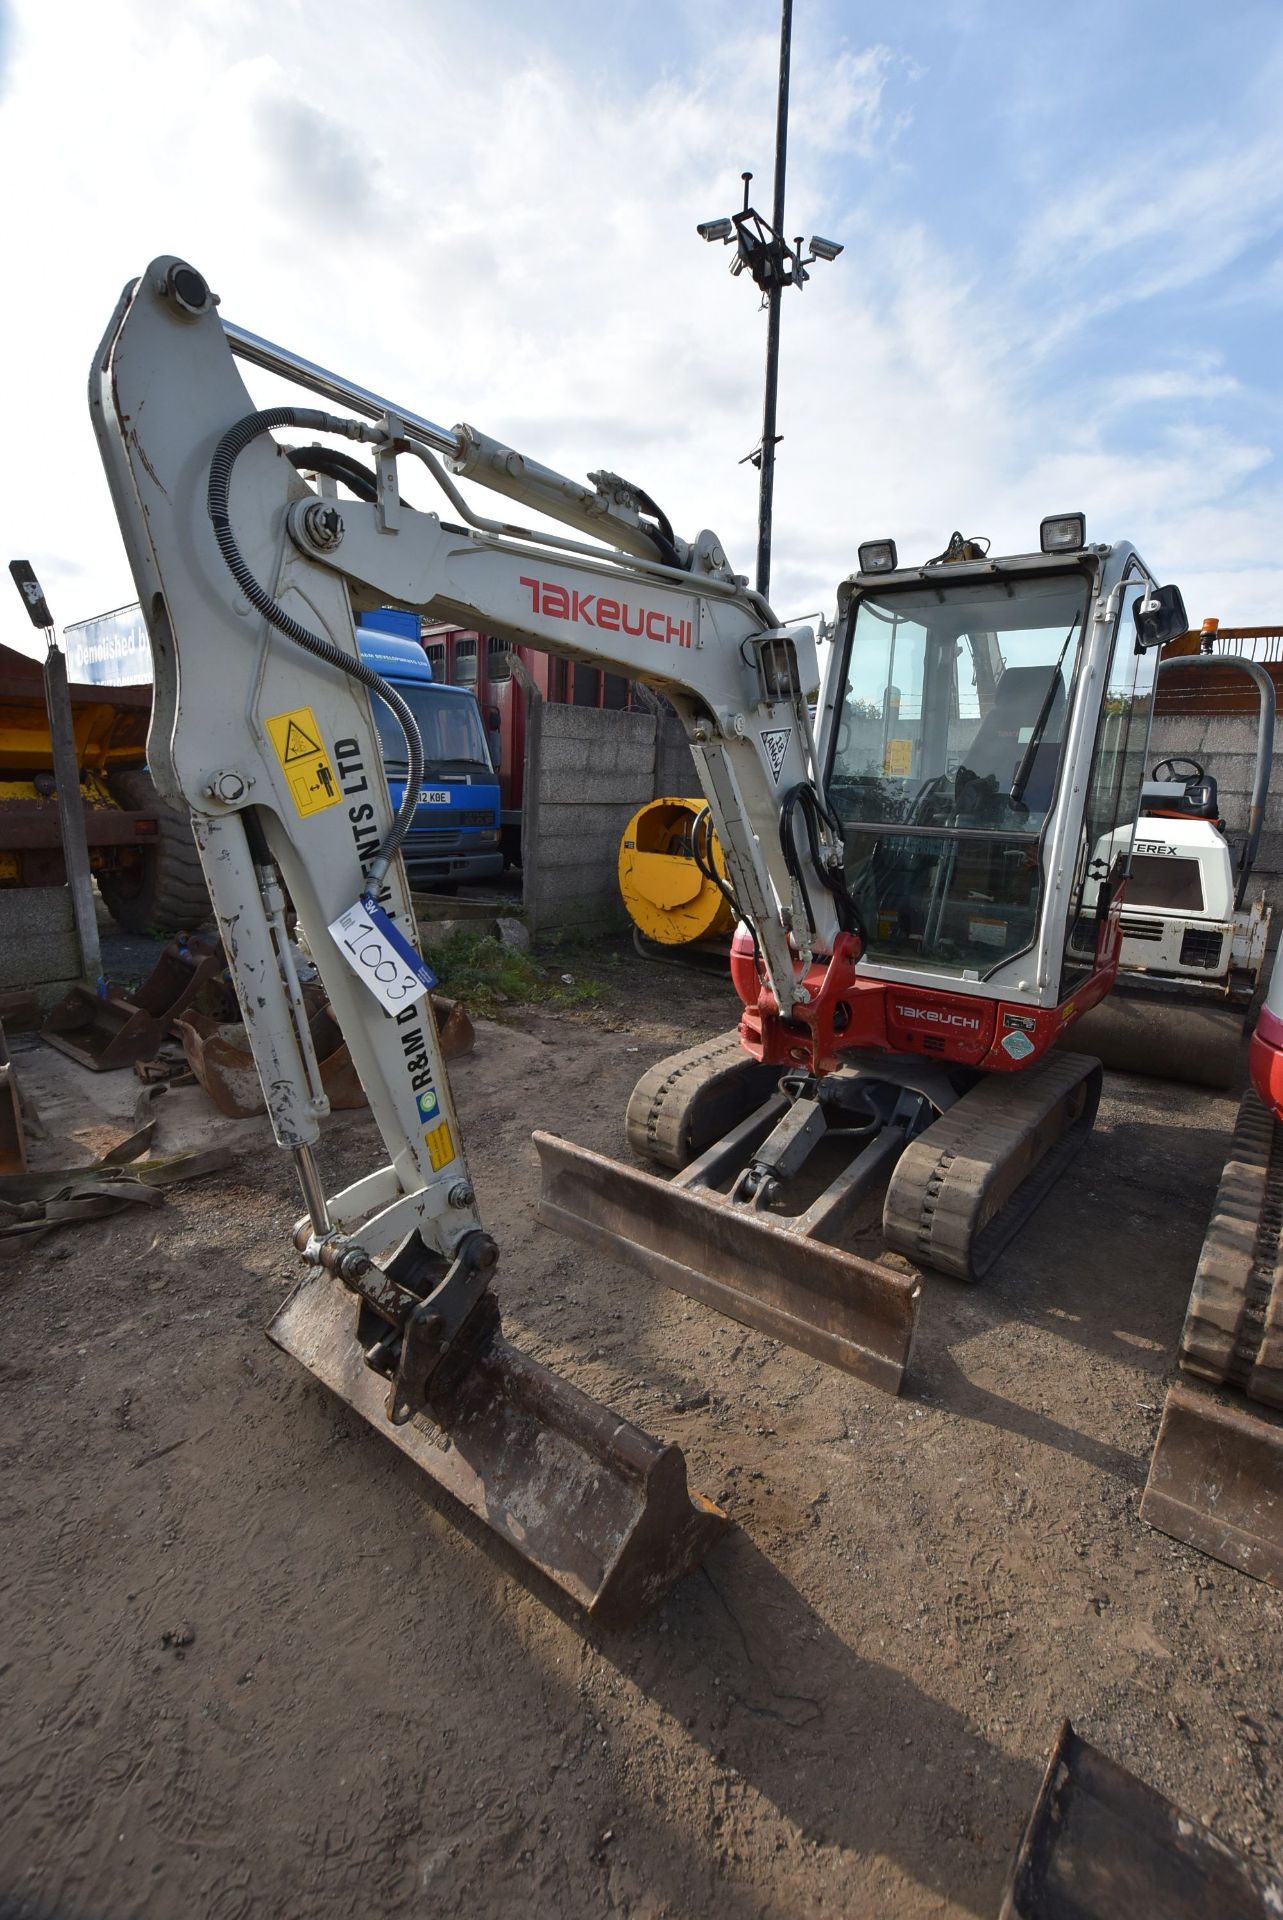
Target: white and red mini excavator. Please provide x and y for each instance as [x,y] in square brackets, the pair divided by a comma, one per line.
[910,881]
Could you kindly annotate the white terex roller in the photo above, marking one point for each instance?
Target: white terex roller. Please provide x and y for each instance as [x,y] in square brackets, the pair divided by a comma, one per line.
[1194,941]
[910,888]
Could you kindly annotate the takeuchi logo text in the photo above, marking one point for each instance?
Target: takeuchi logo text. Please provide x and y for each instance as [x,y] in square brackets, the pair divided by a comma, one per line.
[610,616]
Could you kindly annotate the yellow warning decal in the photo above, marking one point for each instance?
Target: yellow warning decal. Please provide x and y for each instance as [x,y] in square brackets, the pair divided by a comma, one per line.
[898,759]
[304,761]
[440,1146]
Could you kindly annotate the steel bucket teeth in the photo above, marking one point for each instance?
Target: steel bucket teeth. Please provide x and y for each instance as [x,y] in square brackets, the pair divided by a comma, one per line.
[598,1505]
[833,1305]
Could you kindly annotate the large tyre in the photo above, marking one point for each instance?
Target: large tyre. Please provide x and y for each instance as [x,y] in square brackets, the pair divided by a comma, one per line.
[165,891]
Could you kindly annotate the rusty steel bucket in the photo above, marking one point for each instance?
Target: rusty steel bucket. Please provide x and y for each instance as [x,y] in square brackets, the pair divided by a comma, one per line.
[102,1031]
[218,1053]
[1101,1845]
[596,1504]
[1216,1480]
[770,1273]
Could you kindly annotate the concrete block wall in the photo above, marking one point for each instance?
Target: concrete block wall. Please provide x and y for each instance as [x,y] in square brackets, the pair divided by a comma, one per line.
[675,775]
[587,771]
[38,944]
[1226,747]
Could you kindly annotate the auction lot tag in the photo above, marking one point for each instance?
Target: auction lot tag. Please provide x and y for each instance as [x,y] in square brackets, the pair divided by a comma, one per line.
[380,956]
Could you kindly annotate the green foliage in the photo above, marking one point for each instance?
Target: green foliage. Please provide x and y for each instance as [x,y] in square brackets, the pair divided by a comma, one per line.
[492,979]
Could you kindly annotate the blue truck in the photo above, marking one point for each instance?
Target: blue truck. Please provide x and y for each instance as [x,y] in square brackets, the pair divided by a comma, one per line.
[455,836]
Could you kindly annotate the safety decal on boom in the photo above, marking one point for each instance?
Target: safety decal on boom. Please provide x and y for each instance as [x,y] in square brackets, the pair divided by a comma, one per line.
[304,761]
[776,743]
[440,1146]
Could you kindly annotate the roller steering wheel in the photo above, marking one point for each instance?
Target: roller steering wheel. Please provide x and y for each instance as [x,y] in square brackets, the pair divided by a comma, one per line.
[1168,769]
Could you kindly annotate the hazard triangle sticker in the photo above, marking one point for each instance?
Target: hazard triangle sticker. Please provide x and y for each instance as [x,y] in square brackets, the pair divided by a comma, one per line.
[776,743]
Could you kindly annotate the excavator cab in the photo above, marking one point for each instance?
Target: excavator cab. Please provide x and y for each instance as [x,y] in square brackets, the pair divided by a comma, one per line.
[951,721]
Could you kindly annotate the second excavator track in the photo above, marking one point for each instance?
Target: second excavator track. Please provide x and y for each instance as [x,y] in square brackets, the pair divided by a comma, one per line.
[689,1099]
[1233,1333]
[969,1182]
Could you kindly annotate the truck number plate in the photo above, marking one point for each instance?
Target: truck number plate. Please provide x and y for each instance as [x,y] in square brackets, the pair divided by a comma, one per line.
[381,956]
[433,797]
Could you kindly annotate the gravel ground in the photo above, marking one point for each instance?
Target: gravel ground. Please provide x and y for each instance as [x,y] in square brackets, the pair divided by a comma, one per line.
[254,1664]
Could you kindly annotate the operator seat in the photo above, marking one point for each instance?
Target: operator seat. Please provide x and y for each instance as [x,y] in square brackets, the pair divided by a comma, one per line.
[1004,732]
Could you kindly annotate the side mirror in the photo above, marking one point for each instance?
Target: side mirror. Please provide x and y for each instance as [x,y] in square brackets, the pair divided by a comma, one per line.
[494,738]
[1160,617]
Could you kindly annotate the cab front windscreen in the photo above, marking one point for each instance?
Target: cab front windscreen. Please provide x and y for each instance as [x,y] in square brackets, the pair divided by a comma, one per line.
[946,762]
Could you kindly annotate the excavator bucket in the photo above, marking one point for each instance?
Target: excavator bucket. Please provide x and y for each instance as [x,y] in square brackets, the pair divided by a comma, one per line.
[764,1271]
[107,1030]
[596,1504]
[1100,1844]
[1216,1481]
[218,1053]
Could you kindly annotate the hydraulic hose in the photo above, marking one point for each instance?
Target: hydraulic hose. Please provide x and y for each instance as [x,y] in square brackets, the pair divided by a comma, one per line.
[816,813]
[226,454]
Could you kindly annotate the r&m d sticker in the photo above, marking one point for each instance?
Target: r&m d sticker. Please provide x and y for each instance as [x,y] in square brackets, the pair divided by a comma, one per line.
[304,761]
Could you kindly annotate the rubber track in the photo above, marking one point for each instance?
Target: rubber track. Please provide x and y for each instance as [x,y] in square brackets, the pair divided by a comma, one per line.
[688,1100]
[964,1187]
[1233,1333]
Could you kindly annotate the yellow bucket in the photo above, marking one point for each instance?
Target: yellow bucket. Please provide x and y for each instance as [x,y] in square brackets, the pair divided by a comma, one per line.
[668,899]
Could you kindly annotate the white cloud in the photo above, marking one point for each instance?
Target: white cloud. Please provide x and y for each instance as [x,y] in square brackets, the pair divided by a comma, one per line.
[485,226]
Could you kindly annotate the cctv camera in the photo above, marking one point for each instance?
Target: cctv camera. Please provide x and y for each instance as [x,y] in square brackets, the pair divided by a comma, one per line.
[825,249]
[715,230]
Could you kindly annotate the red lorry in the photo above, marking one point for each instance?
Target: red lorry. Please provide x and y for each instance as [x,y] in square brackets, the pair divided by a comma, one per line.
[464,658]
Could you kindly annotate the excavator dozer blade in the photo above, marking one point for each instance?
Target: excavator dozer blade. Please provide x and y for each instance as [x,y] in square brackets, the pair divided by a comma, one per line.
[1216,1481]
[833,1305]
[1101,1843]
[595,1503]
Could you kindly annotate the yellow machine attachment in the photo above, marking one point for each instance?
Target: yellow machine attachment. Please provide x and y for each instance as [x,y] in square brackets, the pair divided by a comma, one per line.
[667,858]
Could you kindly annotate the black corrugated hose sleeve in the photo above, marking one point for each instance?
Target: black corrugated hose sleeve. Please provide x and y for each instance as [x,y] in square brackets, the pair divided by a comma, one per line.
[814,811]
[226,454]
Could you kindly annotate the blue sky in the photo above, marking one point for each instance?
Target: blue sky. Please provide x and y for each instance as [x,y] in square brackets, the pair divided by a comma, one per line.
[1061,286]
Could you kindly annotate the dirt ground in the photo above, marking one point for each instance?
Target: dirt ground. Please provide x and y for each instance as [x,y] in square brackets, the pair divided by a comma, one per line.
[252,1664]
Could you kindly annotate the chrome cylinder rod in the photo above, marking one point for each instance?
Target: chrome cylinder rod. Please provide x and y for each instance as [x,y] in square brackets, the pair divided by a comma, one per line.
[332,386]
